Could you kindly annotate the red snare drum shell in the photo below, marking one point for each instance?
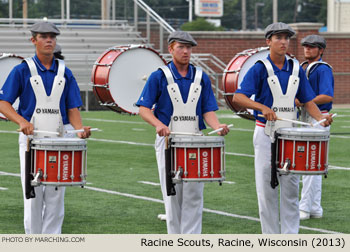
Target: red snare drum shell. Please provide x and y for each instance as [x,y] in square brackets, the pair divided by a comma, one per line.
[306,148]
[205,162]
[301,155]
[201,158]
[65,168]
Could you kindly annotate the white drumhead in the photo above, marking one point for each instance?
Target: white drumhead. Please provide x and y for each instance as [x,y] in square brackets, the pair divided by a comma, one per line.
[7,63]
[303,131]
[129,74]
[261,53]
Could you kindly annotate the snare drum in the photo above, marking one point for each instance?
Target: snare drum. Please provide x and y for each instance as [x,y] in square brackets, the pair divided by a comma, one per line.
[7,63]
[234,74]
[120,73]
[302,151]
[59,161]
[197,158]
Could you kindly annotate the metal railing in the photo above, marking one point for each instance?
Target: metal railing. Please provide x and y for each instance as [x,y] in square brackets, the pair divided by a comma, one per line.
[163,25]
[88,23]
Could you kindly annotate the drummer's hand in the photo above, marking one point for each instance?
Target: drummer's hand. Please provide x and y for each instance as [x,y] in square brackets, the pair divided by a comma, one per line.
[26,127]
[329,120]
[269,114]
[86,132]
[225,130]
[298,103]
[162,130]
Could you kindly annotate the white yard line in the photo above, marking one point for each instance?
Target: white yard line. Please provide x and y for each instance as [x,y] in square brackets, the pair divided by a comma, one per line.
[157,184]
[3,188]
[113,121]
[128,195]
[149,183]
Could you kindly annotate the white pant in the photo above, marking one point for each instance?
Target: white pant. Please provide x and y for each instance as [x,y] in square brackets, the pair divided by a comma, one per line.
[311,193]
[274,219]
[183,210]
[43,214]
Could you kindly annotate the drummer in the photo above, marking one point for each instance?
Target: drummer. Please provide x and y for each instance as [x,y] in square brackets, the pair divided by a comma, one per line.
[183,210]
[268,79]
[321,79]
[45,212]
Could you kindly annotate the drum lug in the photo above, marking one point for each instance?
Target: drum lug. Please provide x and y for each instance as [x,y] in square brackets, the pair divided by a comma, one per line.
[285,169]
[37,179]
[177,178]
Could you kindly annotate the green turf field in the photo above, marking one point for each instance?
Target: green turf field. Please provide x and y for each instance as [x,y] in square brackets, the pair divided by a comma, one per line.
[123,194]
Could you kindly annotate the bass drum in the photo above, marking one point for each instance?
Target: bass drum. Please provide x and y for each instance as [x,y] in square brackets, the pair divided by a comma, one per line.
[234,74]
[7,62]
[120,74]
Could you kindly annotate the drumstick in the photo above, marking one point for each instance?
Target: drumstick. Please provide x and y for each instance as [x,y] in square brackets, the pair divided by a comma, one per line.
[323,120]
[186,133]
[42,131]
[289,120]
[81,130]
[219,129]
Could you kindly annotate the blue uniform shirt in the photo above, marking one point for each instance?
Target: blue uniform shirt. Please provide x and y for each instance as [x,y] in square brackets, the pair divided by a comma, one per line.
[18,84]
[255,82]
[156,92]
[322,82]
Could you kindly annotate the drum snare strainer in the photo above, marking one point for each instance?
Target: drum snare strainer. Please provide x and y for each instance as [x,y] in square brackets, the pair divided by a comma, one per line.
[302,151]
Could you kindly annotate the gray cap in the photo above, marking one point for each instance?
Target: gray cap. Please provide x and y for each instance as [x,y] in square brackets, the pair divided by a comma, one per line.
[45,27]
[315,41]
[58,49]
[182,37]
[279,27]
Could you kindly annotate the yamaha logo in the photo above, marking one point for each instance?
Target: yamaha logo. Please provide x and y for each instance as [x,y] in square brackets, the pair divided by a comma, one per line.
[47,111]
[65,157]
[313,147]
[275,109]
[175,118]
[205,154]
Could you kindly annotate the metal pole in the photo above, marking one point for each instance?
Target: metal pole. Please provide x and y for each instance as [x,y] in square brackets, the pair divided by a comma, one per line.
[10,10]
[148,22]
[68,9]
[25,12]
[161,34]
[190,7]
[256,16]
[113,9]
[135,15]
[275,11]
[62,9]
[244,15]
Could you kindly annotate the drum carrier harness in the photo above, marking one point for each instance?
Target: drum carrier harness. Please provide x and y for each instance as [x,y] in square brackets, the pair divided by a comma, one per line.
[46,116]
[283,106]
[304,115]
[183,119]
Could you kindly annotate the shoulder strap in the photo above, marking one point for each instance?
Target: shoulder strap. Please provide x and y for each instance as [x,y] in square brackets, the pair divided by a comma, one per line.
[268,67]
[61,68]
[296,67]
[309,67]
[32,66]
[167,74]
[198,76]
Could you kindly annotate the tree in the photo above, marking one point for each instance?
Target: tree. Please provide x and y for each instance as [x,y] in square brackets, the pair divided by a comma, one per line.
[200,24]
